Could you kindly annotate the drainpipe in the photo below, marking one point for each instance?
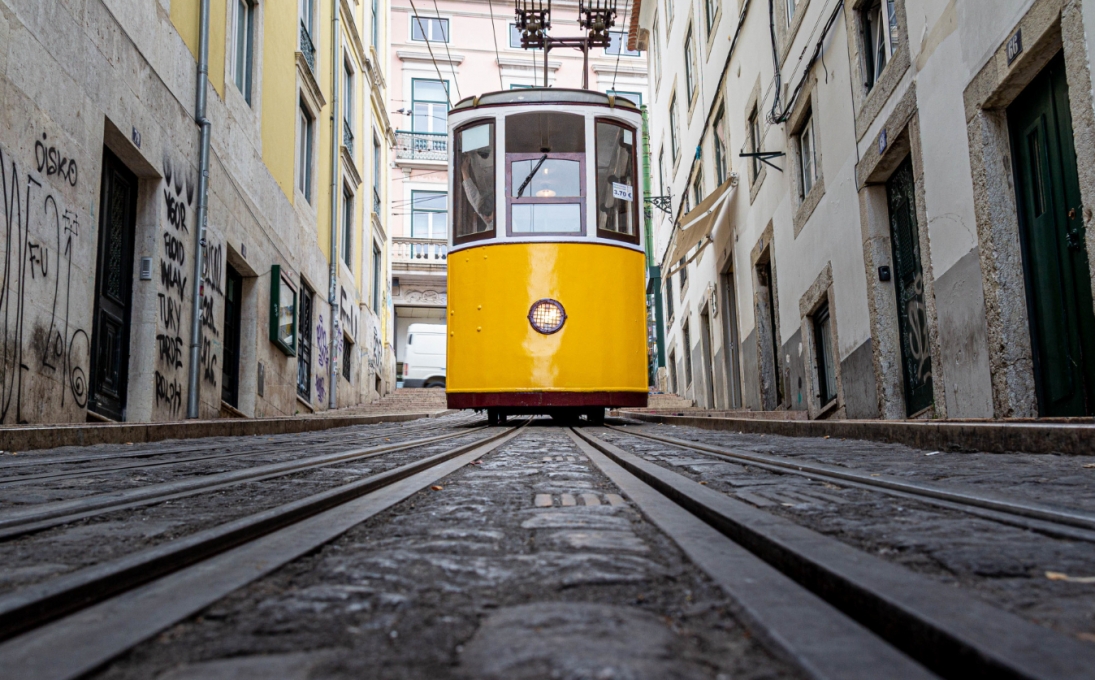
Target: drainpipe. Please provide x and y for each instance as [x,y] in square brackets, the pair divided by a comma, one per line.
[336,334]
[192,396]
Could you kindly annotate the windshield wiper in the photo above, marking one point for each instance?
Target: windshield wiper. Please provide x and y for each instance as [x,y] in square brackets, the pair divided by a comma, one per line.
[532,174]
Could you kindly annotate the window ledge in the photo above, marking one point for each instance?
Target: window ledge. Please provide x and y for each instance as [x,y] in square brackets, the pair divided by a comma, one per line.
[806,207]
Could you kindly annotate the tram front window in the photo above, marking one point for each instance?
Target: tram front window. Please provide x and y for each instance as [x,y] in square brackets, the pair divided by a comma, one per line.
[617,214]
[474,182]
[545,157]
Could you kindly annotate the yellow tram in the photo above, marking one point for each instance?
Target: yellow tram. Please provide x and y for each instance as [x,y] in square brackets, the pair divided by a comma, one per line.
[546,305]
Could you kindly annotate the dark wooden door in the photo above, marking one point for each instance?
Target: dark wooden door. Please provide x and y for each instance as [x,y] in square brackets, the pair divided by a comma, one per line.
[113,286]
[230,374]
[908,274]
[1055,264]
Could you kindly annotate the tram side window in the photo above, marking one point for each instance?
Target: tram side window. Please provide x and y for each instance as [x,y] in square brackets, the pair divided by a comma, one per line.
[474,190]
[617,216]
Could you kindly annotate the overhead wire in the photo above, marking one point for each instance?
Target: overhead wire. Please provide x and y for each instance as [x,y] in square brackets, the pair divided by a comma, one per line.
[494,32]
[432,58]
[620,51]
[445,39]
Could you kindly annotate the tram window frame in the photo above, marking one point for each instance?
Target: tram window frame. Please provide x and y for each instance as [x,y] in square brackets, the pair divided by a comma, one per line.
[607,233]
[458,195]
[580,199]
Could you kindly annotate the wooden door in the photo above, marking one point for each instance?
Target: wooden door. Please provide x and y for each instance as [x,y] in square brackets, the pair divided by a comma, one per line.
[908,274]
[1058,279]
[113,286]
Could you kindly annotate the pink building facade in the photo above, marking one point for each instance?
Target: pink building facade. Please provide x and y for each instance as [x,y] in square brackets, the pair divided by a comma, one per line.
[464,49]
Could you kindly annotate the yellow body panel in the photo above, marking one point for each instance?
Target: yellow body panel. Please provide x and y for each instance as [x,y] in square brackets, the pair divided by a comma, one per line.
[492,347]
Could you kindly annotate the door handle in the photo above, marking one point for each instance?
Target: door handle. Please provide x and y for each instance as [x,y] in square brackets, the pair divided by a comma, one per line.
[1075,243]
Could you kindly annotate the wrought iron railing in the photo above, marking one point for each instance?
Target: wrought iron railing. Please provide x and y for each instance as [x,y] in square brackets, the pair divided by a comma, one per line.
[420,250]
[348,136]
[421,146]
[307,47]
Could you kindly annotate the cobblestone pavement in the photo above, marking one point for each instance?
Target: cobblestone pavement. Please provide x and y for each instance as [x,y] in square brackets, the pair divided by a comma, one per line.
[526,565]
[1004,565]
[52,552]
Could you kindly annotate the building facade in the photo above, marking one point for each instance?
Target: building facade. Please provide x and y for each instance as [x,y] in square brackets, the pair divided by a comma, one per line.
[439,56]
[879,211]
[100,144]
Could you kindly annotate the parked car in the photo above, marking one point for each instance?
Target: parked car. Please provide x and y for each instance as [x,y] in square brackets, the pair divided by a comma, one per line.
[424,358]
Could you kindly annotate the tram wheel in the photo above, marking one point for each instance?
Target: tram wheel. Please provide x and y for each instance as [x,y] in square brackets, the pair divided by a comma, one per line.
[596,417]
[493,416]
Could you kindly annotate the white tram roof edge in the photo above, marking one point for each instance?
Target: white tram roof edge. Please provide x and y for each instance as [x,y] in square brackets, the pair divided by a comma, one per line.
[543,95]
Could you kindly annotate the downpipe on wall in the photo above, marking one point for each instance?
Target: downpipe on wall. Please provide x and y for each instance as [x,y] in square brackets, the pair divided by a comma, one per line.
[192,395]
[336,335]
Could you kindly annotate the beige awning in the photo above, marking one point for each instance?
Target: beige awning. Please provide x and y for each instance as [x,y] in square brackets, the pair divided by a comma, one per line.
[696,225]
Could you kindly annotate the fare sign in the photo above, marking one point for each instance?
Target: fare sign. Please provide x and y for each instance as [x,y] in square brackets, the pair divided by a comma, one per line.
[622,192]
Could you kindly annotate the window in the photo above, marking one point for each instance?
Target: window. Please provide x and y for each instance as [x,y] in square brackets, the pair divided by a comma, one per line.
[669,298]
[709,11]
[754,139]
[722,157]
[376,278]
[697,187]
[348,106]
[243,46]
[617,44]
[669,12]
[473,183]
[635,97]
[305,139]
[347,226]
[672,372]
[683,265]
[807,155]
[674,128]
[347,354]
[429,106]
[307,41]
[429,29]
[304,344]
[690,70]
[376,24]
[283,311]
[429,214]
[826,368]
[545,178]
[687,354]
[881,37]
[617,208]
[376,174]
[661,171]
[792,5]
[514,36]
[655,53]
[308,14]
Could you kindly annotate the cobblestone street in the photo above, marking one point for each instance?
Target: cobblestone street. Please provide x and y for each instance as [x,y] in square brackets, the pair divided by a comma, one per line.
[439,548]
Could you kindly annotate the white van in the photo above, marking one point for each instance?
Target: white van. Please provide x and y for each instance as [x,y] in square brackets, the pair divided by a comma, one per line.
[424,358]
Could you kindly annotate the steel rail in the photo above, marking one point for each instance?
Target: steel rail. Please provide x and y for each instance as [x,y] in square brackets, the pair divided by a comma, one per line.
[1045,519]
[22,521]
[83,472]
[100,612]
[952,633]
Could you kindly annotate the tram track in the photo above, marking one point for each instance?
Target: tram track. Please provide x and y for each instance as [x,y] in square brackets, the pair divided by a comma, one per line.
[949,632]
[100,612]
[267,450]
[1064,523]
[25,520]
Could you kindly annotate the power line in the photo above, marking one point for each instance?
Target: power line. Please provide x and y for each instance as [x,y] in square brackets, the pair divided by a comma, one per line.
[620,49]
[445,38]
[494,32]
[435,66]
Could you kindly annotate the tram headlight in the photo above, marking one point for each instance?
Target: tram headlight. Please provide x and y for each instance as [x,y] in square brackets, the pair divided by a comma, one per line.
[547,316]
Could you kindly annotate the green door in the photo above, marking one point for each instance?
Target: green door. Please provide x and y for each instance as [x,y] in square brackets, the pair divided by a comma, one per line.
[1058,281]
[912,314]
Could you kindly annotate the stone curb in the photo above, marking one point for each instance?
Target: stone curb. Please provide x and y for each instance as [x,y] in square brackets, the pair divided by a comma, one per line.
[29,438]
[988,437]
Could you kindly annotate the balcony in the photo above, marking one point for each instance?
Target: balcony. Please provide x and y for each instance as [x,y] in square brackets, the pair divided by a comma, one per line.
[348,136]
[307,47]
[421,146]
[419,252]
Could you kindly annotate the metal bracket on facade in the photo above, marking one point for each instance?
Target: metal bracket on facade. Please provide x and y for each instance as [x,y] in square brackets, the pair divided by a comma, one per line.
[764,157]
[663,203]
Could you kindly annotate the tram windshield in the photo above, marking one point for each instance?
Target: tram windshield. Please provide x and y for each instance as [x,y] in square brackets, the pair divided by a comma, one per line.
[616,207]
[474,185]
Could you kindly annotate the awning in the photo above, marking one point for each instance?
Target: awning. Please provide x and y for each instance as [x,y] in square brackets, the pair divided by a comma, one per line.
[696,225]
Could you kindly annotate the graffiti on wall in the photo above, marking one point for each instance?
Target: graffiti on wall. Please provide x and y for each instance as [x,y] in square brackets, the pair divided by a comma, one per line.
[178,196]
[44,353]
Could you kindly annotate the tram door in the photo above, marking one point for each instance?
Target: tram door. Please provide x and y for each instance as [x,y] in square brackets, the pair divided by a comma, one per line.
[1055,263]
[113,286]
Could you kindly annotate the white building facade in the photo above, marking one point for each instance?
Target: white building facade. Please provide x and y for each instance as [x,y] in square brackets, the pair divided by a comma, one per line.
[892,221]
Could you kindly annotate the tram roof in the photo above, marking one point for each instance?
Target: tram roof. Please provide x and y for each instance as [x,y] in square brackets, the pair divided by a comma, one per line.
[544,95]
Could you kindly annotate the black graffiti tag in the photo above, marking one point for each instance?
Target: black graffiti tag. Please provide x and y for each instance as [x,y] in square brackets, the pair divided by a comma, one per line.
[53,162]
[171,349]
[168,392]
